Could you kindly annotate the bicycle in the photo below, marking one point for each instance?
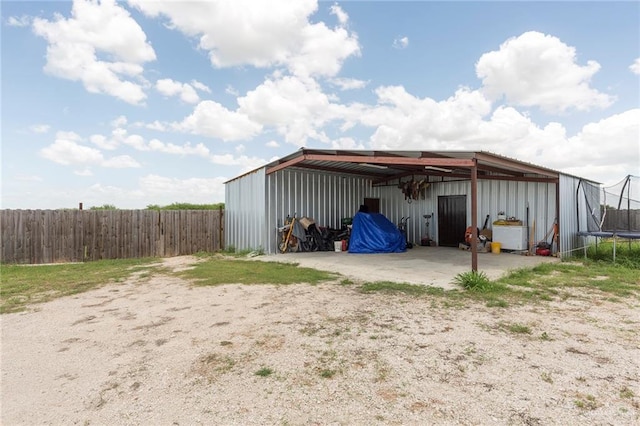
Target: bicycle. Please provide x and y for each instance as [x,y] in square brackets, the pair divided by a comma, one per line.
[288,242]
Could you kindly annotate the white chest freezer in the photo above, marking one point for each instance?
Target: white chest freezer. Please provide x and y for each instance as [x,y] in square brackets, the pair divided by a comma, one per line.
[511,237]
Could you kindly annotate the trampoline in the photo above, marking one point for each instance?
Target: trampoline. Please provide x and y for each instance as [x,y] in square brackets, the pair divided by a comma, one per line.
[619,220]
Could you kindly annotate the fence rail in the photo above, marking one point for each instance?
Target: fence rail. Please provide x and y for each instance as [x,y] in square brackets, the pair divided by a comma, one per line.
[52,236]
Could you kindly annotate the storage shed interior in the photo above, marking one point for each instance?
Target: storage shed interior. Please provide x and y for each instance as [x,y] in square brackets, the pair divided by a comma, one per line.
[439,191]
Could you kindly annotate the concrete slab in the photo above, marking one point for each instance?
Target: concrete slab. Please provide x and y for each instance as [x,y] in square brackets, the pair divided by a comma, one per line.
[435,266]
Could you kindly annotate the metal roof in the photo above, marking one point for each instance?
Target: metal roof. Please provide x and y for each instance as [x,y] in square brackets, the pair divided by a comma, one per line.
[382,166]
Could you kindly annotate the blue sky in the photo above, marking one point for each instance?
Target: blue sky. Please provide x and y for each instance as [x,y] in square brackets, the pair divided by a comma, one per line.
[152,102]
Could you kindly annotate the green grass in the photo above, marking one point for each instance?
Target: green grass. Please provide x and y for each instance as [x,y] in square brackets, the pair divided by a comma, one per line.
[27,284]
[627,252]
[549,281]
[327,374]
[546,282]
[217,271]
[23,285]
[399,288]
[234,252]
[518,328]
[264,372]
[477,281]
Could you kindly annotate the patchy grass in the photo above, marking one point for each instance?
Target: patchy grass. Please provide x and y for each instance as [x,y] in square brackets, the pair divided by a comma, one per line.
[264,372]
[400,288]
[625,392]
[517,328]
[23,285]
[234,252]
[26,284]
[549,281]
[586,402]
[545,337]
[545,282]
[218,270]
[327,374]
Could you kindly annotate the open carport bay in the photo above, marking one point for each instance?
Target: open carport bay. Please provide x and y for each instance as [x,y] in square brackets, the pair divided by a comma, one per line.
[435,266]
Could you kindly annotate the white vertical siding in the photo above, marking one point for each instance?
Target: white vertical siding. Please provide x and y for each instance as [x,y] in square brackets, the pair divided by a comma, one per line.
[493,197]
[325,197]
[574,213]
[244,225]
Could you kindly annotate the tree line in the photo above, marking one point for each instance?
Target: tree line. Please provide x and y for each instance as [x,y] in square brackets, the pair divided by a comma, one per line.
[172,206]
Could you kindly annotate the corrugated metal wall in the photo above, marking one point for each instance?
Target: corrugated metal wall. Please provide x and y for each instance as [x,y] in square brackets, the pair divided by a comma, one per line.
[325,197]
[574,212]
[245,212]
[493,197]
[256,204]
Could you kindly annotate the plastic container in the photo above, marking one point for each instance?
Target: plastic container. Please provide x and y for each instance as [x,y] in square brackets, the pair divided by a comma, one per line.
[337,246]
[495,247]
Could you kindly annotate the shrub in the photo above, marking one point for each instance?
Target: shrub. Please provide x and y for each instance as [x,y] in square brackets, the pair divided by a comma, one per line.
[474,281]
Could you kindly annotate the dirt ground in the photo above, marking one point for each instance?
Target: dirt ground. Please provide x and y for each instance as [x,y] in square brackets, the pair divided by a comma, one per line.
[160,351]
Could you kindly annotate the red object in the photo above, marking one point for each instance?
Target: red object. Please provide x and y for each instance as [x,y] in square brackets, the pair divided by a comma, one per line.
[344,245]
[543,252]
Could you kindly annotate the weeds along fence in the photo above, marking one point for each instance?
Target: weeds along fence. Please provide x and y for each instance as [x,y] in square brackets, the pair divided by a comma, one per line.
[52,236]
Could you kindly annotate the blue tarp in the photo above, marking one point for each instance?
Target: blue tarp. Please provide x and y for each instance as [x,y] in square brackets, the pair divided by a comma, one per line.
[374,233]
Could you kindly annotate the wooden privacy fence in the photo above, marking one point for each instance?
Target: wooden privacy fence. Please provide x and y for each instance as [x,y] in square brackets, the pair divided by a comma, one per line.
[51,236]
[622,220]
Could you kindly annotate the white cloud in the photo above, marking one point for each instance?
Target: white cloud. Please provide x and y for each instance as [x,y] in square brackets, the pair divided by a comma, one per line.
[272,144]
[84,172]
[346,143]
[40,128]
[119,121]
[98,30]
[186,149]
[246,163]
[170,87]
[200,86]
[68,152]
[103,143]
[211,119]
[635,67]
[120,162]
[401,42]
[261,34]
[72,136]
[239,32]
[135,141]
[343,18]
[230,90]
[535,69]
[120,136]
[167,190]
[601,151]
[19,21]
[156,125]
[323,51]
[348,83]
[607,149]
[404,121]
[296,107]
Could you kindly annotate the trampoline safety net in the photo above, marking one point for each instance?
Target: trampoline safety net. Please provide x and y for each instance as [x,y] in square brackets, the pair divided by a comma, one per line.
[620,208]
